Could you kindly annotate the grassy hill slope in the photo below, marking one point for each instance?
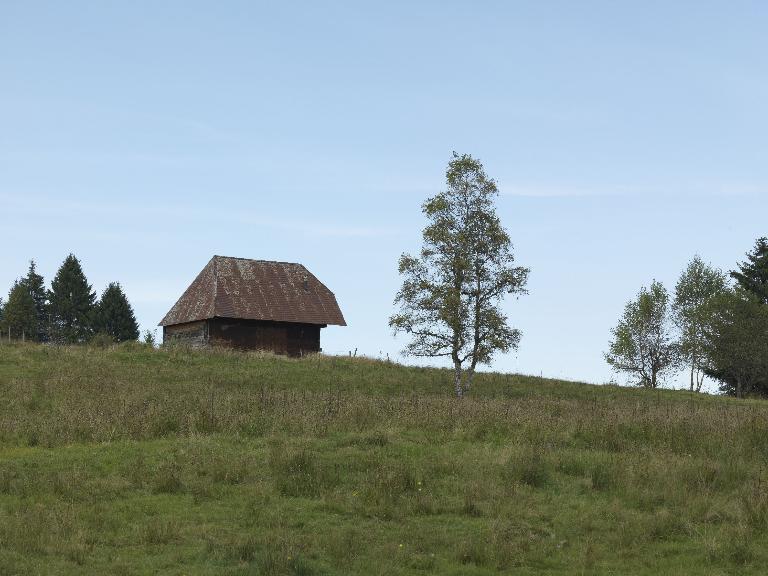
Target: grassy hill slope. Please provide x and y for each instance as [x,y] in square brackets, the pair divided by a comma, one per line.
[136,461]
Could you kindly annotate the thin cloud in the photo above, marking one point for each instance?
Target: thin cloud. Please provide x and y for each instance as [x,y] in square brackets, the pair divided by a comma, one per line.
[630,191]
[328,231]
[41,204]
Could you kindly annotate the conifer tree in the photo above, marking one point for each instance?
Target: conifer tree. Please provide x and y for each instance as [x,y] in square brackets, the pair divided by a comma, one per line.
[114,315]
[752,275]
[36,286]
[736,343]
[19,316]
[72,304]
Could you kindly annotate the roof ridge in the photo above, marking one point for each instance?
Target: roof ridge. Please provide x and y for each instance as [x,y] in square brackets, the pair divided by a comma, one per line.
[258,260]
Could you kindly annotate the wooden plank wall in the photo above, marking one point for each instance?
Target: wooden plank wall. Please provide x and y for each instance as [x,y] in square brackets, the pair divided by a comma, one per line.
[279,337]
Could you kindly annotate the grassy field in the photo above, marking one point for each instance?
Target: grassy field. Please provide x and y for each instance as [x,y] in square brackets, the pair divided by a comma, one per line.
[138,461]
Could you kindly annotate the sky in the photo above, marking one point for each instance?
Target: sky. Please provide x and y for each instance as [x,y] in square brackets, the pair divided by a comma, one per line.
[625,137]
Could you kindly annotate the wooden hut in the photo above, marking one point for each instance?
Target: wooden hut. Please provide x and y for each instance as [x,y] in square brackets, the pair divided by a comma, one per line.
[253,305]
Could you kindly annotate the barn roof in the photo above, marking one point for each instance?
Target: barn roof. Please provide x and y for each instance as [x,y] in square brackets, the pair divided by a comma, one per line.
[256,290]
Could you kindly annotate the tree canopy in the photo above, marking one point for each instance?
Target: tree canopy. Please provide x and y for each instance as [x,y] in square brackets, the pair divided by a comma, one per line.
[35,284]
[643,344]
[72,303]
[736,343]
[114,316]
[697,286]
[19,315]
[752,274]
[449,302]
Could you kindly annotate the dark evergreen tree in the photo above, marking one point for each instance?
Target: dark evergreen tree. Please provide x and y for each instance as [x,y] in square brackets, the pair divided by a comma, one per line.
[736,343]
[737,331]
[19,316]
[114,315]
[752,275]
[35,284]
[72,304]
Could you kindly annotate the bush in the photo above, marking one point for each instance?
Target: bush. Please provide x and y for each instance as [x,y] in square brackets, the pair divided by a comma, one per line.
[101,340]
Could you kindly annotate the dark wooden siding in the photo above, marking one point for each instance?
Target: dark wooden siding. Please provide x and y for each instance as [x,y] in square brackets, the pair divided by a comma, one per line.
[190,333]
[278,337]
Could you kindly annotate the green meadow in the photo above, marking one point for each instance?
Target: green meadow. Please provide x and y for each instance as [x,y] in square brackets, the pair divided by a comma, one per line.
[129,460]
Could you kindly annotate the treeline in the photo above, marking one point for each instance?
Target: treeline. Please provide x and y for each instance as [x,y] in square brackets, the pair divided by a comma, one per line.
[714,325]
[68,312]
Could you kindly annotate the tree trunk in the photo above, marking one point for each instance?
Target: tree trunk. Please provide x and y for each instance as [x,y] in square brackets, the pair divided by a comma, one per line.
[739,391]
[457,380]
[693,370]
[470,375]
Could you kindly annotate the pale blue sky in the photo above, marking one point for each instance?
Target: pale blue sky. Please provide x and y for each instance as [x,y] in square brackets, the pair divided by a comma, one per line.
[147,136]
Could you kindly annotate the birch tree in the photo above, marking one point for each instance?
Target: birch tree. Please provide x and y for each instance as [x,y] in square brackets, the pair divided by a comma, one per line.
[697,286]
[643,344]
[449,303]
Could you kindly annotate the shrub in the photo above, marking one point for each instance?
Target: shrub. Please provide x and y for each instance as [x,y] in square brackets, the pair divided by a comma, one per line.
[101,340]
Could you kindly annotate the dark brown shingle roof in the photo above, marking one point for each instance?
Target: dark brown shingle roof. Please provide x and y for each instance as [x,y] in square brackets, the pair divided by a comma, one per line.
[256,290]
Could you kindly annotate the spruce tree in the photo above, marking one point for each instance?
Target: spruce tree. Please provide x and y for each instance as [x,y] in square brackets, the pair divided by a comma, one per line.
[736,343]
[752,275]
[114,315]
[36,286]
[72,304]
[19,316]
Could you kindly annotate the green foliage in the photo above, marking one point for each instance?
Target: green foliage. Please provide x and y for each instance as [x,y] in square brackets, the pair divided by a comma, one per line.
[150,338]
[643,345]
[697,286]
[114,316]
[737,329]
[133,460]
[736,343]
[752,275]
[101,340]
[35,284]
[72,304]
[449,303]
[19,316]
